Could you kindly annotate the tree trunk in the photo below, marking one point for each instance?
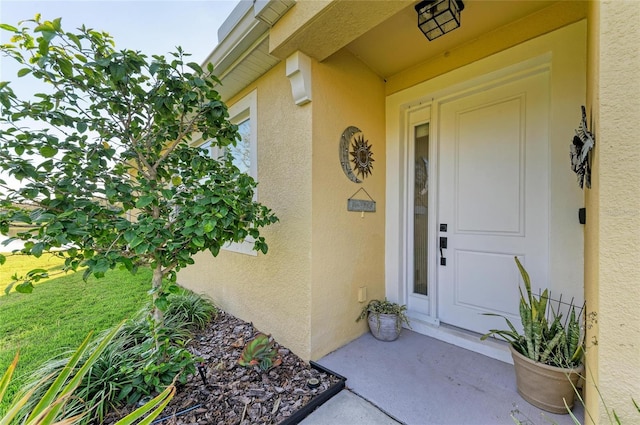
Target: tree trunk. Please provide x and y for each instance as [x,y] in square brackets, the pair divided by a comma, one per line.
[156,284]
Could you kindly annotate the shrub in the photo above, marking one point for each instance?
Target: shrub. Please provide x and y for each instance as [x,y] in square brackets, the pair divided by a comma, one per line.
[139,361]
[39,407]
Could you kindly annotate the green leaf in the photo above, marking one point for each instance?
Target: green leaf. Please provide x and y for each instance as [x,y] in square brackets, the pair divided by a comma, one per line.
[173,289]
[81,126]
[36,272]
[156,406]
[23,72]
[37,250]
[129,236]
[6,377]
[48,151]
[57,24]
[195,67]
[3,259]
[24,288]
[144,201]
[162,303]
[48,35]
[208,226]
[65,67]
[8,27]
[135,241]
[143,248]
[153,68]
[75,40]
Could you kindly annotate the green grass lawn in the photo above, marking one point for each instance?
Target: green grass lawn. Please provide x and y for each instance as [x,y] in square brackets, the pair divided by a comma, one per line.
[59,314]
[21,264]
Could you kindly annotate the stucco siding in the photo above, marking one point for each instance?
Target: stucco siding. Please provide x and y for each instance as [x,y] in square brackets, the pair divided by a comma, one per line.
[348,249]
[592,204]
[613,232]
[273,290]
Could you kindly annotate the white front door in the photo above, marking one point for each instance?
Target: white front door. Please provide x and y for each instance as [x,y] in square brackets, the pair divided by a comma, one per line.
[493,197]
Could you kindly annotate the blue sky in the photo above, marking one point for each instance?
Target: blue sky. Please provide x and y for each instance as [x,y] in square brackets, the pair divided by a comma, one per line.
[151,26]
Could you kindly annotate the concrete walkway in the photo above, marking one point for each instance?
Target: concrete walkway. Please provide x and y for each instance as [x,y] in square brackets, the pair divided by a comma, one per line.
[418,380]
[349,409]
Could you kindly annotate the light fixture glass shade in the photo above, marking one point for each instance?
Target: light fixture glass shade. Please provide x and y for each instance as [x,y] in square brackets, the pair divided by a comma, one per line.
[438,17]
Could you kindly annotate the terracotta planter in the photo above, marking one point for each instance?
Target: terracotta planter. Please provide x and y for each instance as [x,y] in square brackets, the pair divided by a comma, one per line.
[545,386]
[387,330]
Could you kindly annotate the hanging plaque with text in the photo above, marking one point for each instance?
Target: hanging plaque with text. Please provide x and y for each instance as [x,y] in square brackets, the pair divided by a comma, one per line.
[360,205]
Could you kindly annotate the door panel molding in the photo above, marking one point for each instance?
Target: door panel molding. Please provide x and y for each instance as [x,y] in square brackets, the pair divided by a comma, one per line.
[493,147]
[482,171]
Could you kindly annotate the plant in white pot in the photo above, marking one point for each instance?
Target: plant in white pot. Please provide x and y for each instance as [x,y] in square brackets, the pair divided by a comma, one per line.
[547,355]
[385,319]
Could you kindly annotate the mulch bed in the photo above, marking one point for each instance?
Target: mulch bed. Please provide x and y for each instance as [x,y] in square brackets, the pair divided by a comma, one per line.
[234,394]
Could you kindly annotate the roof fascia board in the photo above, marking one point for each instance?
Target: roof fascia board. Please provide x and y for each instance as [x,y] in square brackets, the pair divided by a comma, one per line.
[242,56]
[270,11]
[234,17]
[242,35]
[248,23]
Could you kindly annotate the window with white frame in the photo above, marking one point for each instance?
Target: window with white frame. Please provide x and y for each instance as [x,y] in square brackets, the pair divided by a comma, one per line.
[244,114]
[245,152]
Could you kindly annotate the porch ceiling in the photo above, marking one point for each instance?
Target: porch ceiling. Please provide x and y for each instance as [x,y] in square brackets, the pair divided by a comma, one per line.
[397,43]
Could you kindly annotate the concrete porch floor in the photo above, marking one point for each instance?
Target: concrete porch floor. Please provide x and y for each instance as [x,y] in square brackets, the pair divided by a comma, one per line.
[421,380]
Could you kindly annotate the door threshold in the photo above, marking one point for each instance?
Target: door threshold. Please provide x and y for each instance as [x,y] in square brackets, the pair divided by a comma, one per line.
[463,338]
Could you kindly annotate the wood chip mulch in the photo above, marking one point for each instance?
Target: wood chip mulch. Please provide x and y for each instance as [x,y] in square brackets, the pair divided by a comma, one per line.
[234,394]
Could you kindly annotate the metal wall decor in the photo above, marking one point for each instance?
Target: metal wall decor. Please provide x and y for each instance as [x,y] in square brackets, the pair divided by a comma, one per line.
[356,156]
[583,142]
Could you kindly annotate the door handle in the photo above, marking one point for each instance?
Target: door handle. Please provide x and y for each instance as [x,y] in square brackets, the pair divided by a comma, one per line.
[443,245]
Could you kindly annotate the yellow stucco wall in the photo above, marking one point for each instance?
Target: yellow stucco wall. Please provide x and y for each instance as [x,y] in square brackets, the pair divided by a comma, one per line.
[612,245]
[592,205]
[305,290]
[273,290]
[347,249]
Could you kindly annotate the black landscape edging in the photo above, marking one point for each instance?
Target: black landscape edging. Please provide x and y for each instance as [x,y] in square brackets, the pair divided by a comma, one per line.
[318,400]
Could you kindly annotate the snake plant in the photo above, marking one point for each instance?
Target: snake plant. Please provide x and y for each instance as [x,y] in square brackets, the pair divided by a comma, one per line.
[554,343]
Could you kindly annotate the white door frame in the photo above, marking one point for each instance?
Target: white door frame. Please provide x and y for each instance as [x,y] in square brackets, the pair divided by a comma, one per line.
[421,307]
[403,112]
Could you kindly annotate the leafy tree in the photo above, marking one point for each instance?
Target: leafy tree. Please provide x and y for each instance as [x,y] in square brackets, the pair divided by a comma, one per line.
[103,155]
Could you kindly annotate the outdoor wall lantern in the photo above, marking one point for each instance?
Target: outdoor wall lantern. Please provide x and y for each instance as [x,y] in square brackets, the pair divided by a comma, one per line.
[438,17]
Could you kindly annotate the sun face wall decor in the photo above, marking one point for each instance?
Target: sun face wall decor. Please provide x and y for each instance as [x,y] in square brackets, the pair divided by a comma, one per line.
[356,156]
